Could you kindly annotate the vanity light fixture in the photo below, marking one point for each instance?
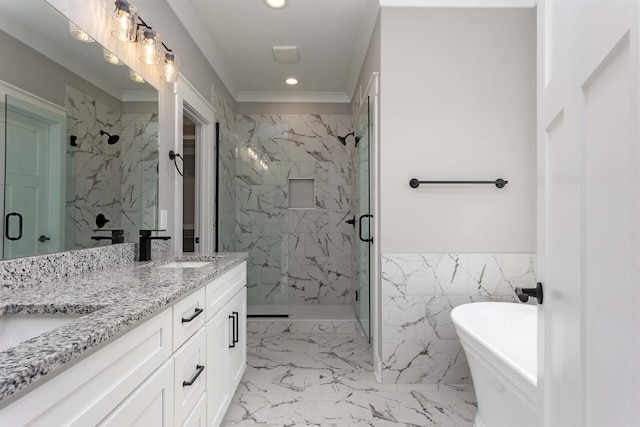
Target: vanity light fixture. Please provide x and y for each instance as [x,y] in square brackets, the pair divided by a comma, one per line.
[276,4]
[170,67]
[149,41]
[135,76]
[125,21]
[79,34]
[130,27]
[291,81]
[110,57]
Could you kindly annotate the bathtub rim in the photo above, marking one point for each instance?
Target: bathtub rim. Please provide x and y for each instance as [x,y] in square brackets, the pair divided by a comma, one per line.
[531,379]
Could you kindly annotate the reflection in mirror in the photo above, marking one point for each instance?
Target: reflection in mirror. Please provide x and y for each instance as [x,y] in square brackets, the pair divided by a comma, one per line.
[78,135]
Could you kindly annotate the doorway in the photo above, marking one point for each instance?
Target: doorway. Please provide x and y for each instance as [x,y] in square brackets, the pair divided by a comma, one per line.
[190,239]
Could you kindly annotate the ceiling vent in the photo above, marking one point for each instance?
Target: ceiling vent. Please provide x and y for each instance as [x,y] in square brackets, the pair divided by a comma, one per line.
[285,54]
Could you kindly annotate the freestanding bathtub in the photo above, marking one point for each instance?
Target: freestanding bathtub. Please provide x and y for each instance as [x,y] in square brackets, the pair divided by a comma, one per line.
[500,341]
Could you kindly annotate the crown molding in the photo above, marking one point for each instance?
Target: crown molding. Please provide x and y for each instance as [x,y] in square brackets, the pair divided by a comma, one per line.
[323,97]
[460,3]
[139,96]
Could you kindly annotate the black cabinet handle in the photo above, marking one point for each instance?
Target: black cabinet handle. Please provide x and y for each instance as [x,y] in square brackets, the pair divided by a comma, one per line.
[6,226]
[236,332]
[199,369]
[233,328]
[43,238]
[197,313]
[369,240]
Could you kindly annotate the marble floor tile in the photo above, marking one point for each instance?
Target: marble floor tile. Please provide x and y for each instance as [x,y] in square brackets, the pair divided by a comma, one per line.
[326,380]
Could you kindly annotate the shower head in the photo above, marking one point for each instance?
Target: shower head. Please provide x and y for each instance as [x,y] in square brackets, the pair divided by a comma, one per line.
[112,138]
[343,139]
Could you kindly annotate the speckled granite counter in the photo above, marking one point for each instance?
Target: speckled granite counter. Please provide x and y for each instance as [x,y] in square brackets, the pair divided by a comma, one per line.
[111,302]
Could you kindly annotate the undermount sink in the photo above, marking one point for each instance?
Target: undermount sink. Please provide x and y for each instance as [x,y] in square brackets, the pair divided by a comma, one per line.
[17,328]
[185,264]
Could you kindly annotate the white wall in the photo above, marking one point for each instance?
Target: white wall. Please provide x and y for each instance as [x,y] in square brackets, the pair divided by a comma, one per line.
[458,103]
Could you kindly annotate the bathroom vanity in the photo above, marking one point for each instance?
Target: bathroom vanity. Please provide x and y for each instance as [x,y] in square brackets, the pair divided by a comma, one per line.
[160,344]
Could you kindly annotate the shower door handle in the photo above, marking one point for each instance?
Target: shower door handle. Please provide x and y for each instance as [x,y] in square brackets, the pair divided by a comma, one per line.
[370,239]
[6,226]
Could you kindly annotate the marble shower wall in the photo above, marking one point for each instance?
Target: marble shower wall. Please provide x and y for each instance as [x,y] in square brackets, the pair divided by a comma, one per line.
[139,158]
[299,256]
[419,342]
[119,180]
[94,169]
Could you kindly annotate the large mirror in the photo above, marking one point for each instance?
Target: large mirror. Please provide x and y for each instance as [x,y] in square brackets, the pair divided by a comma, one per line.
[78,138]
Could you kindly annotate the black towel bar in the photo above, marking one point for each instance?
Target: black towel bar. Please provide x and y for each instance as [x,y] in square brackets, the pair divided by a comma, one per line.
[500,183]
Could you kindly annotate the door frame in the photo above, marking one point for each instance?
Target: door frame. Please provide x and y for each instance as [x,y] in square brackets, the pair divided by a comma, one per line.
[198,109]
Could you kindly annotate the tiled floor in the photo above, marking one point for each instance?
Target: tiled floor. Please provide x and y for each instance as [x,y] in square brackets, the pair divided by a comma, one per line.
[326,380]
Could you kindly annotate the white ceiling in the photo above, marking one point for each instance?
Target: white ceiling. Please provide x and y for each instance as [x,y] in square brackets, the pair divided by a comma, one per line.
[237,37]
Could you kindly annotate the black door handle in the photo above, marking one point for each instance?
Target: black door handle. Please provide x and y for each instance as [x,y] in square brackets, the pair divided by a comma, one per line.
[6,226]
[236,332]
[43,238]
[233,329]
[369,240]
[352,221]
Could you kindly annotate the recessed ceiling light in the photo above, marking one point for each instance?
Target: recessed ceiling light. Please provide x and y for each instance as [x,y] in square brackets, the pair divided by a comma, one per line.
[276,4]
[291,81]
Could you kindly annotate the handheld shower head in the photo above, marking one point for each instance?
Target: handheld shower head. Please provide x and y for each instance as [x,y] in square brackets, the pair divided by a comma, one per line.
[112,138]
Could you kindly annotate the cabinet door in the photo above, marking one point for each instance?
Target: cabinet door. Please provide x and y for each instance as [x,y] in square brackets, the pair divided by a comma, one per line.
[218,342]
[238,353]
[151,404]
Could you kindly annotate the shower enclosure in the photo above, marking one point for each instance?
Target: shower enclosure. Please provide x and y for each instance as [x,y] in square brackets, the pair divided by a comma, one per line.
[253,182]
[362,207]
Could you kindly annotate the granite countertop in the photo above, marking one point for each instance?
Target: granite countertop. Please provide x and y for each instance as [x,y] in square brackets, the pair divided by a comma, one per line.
[110,302]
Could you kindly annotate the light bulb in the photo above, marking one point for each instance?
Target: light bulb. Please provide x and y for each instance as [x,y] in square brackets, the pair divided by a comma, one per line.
[149,43]
[135,76]
[125,19]
[291,81]
[110,57]
[170,68]
[79,34]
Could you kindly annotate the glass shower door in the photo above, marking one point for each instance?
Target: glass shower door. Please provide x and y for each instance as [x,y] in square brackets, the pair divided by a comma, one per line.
[33,180]
[364,238]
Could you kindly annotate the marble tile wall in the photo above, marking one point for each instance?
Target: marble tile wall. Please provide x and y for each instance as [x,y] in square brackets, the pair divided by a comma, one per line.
[419,342]
[139,160]
[94,172]
[119,180]
[296,256]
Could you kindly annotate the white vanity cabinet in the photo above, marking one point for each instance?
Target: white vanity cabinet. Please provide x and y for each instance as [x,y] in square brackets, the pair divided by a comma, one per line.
[226,355]
[179,368]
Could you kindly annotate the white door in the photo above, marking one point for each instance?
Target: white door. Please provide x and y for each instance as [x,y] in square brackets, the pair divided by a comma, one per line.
[588,163]
[27,178]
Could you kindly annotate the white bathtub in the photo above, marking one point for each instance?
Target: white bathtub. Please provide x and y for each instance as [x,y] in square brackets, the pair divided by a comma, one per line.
[500,341]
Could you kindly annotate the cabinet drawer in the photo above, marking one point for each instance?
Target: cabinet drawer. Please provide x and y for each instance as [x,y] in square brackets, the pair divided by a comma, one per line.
[190,375]
[220,290]
[198,417]
[151,404]
[188,317]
